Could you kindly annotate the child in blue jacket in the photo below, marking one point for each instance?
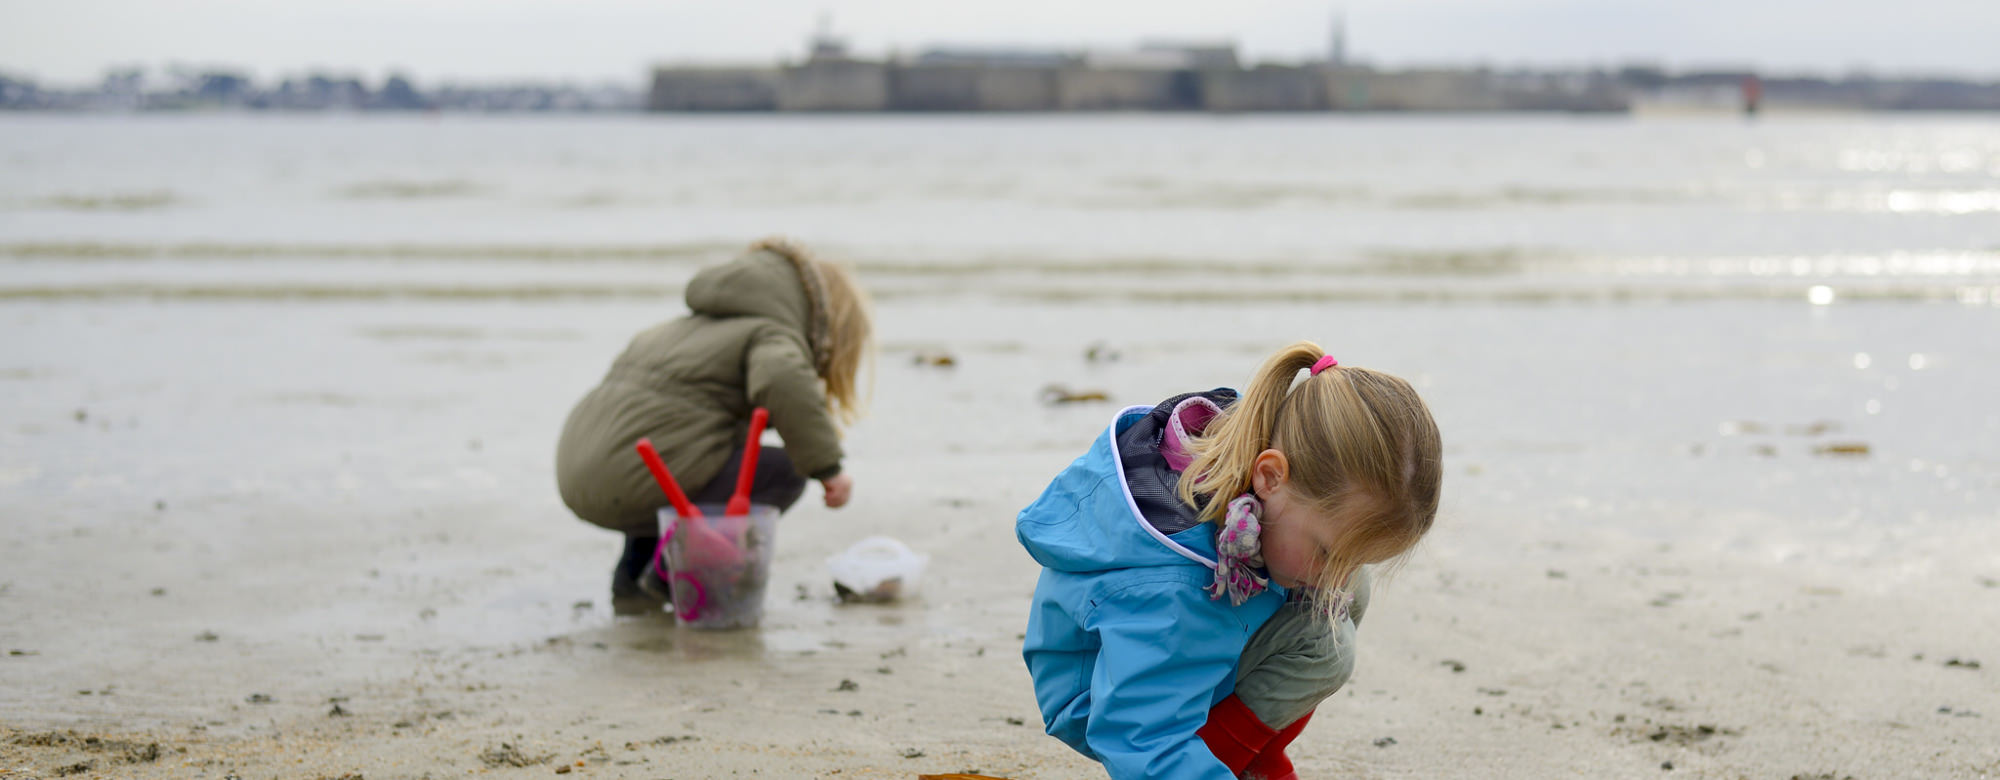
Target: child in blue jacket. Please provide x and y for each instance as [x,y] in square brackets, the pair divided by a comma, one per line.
[1187,627]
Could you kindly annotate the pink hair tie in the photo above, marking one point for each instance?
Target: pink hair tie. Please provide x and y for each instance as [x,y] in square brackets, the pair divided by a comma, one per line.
[1323,364]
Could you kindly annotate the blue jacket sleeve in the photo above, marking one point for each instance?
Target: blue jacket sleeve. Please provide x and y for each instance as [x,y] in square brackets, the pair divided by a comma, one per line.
[1161,663]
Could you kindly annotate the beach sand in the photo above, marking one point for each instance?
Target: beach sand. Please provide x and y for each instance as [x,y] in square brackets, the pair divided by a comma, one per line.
[271,538]
[279,398]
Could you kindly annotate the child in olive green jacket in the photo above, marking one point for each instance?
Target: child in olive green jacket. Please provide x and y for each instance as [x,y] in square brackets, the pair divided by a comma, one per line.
[774,328]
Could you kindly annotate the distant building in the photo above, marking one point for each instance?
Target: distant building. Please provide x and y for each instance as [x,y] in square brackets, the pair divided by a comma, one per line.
[993,57]
[827,84]
[823,46]
[1125,59]
[1265,88]
[1435,89]
[1128,88]
[715,89]
[966,87]
[1158,76]
[1210,76]
[1212,55]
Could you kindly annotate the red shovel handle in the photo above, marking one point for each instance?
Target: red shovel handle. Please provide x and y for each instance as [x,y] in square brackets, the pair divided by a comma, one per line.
[682,506]
[739,502]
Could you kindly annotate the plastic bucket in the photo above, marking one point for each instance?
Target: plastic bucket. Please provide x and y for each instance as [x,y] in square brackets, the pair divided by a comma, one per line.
[727,595]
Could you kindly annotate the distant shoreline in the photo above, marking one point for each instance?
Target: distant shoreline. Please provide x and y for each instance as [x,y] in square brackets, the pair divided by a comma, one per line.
[1198,82]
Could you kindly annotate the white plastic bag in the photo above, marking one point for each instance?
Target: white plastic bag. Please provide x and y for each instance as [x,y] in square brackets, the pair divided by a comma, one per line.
[876,569]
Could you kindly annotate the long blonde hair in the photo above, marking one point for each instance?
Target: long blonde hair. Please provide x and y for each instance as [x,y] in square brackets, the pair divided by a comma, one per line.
[850,340]
[841,330]
[1359,443]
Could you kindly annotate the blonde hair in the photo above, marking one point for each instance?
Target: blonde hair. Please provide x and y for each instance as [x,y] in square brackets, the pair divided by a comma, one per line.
[842,331]
[850,341]
[1359,443]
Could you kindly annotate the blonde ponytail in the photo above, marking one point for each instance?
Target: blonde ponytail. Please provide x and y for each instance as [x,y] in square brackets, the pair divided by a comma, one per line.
[1224,452]
[1360,444]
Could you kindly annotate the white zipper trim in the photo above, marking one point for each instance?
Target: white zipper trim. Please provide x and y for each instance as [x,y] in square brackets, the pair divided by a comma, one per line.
[1111,434]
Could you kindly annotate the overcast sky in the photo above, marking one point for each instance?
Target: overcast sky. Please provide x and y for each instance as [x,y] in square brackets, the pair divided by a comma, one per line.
[74,41]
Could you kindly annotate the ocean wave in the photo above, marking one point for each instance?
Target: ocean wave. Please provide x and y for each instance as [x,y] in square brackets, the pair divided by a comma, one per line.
[1553,294]
[1537,196]
[1968,264]
[333,292]
[205,250]
[1150,192]
[1899,201]
[1948,202]
[1518,295]
[1419,262]
[1376,262]
[406,189]
[425,333]
[1468,262]
[1231,196]
[114,201]
[1474,263]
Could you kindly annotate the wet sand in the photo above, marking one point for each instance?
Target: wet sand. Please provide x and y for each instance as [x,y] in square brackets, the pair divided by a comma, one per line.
[285,539]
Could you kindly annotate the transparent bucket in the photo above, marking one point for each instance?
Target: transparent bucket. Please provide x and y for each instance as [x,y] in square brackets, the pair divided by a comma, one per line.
[719,564]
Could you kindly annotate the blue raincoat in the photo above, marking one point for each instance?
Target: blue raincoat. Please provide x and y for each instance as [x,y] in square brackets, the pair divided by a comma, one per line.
[1127,651]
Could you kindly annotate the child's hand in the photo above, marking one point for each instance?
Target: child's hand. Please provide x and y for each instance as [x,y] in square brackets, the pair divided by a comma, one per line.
[838,488]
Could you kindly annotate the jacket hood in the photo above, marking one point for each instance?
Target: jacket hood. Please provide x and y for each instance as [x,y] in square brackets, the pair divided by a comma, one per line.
[773,280]
[1087,521]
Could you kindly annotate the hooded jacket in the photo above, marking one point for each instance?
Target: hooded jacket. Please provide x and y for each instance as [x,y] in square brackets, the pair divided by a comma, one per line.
[1127,651]
[754,336]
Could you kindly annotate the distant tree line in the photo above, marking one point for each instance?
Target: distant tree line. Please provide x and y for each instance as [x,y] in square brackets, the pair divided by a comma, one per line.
[182,89]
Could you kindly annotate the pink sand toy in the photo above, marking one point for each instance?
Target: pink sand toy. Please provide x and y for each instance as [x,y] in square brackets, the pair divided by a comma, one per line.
[719,564]
[706,545]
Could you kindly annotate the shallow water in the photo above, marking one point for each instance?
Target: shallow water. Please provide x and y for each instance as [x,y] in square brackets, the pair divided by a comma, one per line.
[243,345]
[1058,210]
[1314,189]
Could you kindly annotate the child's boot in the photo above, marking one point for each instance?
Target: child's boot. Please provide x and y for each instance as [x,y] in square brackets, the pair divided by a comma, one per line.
[1235,735]
[653,582]
[1271,762]
[629,594]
